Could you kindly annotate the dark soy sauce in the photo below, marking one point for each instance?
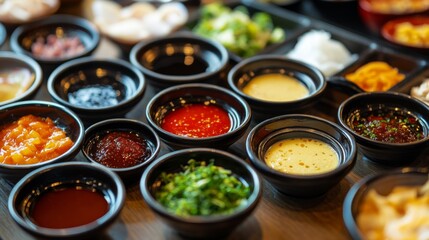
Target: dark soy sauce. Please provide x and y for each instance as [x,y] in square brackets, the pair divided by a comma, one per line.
[180,65]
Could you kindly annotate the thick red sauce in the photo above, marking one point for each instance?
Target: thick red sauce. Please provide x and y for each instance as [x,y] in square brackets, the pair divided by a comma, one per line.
[68,208]
[389,126]
[119,149]
[197,121]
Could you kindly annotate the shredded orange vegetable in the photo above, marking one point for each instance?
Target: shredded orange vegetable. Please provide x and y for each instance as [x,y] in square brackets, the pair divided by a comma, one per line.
[376,76]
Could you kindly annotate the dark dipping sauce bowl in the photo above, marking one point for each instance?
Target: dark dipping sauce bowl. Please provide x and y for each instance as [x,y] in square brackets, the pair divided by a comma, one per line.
[204,227]
[97,88]
[10,62]
[383,183]
[276,129]
[61,116]
[23,38]
[179,59]
[310,77]
[101,193]
[138,140]
[360,106]
[171,99]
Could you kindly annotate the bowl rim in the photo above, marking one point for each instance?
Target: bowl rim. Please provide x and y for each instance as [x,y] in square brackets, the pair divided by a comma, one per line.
[45,104]
[283,59]
[96,129]
[183,38]
[366,6]
[242,124]
[253,199]
[57,19]
[33,66]
[92,62]
[389,28]
[381,95]
[3,34]
[112,213]
[363,185]
[262,166]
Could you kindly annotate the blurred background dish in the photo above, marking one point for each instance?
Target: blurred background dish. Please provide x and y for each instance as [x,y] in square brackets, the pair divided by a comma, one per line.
[375,13]
[365,215]
[67,201]
[55,40]
[45,132]
[21,77]
[16,12]
[137,21]
[411,32]
[97,88]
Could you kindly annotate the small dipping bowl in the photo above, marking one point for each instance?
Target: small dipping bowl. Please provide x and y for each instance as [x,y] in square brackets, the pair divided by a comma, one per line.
[383,183]
[22,66]
[61,116]
[360,105]
[307,76]
[204,227]
[3,34]
[171,99]
[60,26]
[97,88]
[276,129]
[95,134]
[179,59]
[96,189]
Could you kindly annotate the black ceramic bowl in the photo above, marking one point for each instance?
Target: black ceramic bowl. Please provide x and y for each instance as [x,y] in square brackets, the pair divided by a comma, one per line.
[97,88]
[242,73]
[178,59]
[98,131]
[284,127]
[25,36]
[173,98]
[77,175]
[10,61]
[400,104]
[61,116]
[382,183]
[205,227]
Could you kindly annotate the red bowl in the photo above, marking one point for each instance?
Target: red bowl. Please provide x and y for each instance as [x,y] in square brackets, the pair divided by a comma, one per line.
[375,20]
[389,28]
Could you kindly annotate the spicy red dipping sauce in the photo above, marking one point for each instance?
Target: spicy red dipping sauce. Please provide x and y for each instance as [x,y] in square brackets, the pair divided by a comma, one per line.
[197,121]
[119,149]
[70,207]
[388,126]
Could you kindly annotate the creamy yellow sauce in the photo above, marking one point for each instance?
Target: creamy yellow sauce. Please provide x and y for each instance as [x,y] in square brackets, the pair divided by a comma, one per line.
[275,87]
[304,156]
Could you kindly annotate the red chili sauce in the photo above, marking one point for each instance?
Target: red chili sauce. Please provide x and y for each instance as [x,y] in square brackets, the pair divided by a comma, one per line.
[68,208]
[197,121]
[119,149]
[389,126]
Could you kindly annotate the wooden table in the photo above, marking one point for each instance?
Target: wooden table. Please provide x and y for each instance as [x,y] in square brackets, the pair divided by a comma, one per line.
[277,216]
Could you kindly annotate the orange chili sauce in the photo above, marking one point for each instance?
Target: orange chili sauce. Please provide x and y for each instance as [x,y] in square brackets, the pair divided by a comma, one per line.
[32,139]
[197,121]
[68,208]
